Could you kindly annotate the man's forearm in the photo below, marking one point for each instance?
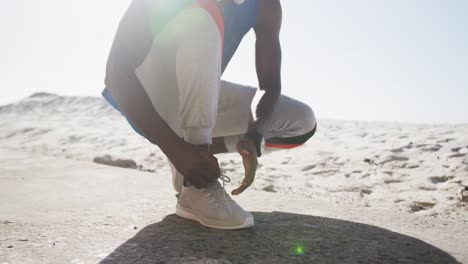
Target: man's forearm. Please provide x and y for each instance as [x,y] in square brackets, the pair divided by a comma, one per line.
[265,108]
[157,131]
[268,59]
[268,64]
[160,134]
[137,107]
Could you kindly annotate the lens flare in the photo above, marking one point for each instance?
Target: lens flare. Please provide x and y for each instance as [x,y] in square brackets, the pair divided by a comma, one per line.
[299,249]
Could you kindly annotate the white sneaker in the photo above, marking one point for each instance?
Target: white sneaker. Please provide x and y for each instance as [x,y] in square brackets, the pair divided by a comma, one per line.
[212,207]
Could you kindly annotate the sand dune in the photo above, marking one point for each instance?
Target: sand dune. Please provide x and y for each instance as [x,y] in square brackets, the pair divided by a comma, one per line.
[414,168]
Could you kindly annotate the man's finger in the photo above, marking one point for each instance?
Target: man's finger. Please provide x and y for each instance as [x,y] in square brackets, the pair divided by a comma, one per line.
[249,159]
[246,183]
[240,190]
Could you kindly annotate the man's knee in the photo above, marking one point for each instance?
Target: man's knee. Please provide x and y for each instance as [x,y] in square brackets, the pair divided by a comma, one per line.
[304,138]
[309,122]
[304,125]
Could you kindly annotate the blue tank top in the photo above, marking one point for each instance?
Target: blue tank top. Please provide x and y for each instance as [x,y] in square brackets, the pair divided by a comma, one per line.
[238,20]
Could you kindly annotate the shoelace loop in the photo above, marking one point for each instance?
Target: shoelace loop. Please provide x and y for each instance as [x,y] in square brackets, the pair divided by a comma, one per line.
[217,199]
[225,179]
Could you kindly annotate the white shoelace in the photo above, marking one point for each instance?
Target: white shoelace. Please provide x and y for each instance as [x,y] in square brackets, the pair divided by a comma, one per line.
[212,190]
[225,179]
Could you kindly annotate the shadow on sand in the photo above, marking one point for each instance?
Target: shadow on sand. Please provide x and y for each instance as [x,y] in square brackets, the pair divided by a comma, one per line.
[277,238]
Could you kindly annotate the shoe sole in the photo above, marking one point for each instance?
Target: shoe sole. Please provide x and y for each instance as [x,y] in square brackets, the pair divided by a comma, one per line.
[190,214]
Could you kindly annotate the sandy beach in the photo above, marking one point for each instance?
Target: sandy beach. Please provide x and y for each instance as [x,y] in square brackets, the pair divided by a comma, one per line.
[407,178]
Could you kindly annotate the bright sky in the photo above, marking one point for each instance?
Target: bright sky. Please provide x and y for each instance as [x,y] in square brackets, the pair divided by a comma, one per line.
[393,60]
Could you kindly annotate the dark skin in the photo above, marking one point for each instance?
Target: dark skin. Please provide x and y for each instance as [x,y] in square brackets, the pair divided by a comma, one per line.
[268,65]
[197,163]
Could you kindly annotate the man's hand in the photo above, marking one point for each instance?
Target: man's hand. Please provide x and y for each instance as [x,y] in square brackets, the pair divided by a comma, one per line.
[246,148]
[196,164]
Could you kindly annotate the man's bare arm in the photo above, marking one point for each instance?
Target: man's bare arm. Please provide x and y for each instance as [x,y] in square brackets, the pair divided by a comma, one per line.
[137,107]
[196,164]
[268,63]
[268,57]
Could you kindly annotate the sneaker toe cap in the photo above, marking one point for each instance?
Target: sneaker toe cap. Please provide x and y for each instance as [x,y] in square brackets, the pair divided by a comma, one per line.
[245,219]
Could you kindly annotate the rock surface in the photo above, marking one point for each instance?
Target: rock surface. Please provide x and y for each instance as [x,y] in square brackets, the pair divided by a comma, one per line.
[62,211]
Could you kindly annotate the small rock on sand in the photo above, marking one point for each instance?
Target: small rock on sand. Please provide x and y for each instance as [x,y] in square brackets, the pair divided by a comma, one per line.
[110,161]
[419,206]
[456,149]
[465,160]
[310,167]
[366,191]
[269,188]
[393,158]
[440,179]
[397,150]
[412,165]
[432,148]
[463,195]
[457,155]
[463,150]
